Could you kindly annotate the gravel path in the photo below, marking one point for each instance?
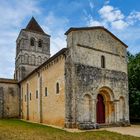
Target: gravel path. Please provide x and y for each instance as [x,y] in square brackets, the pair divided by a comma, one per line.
[133,130]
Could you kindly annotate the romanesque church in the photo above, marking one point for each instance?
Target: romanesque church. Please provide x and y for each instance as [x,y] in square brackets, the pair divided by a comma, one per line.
[83,84]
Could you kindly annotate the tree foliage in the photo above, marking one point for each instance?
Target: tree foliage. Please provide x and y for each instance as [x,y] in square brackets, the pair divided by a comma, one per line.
[134,84]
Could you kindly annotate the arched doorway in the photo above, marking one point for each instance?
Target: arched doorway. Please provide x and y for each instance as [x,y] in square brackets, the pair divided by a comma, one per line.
[105,109]
[100,109]
[87,108]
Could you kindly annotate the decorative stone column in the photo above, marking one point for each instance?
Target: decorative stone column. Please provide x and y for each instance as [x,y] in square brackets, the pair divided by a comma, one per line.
[116,103]
[127,111]
[93,115]
[112,112]
[107,111]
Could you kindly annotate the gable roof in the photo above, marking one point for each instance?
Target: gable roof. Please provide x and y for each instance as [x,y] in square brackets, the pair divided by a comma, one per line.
[92,28]
[10,81]
[34,26]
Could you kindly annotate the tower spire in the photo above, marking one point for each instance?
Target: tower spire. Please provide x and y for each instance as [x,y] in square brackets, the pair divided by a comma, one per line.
[34,26]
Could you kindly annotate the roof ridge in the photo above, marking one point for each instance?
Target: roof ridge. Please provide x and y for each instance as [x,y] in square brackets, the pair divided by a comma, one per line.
[94,27]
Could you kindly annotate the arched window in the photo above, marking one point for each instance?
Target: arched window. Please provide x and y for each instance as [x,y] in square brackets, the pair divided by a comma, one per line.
[40,43]
[36,94]
[57,88]
[32,41]
[39,60]
[46,91]
[103,61]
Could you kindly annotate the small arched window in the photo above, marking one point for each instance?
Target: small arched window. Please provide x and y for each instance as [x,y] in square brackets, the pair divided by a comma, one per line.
[32,41]
[36,94]
[46,91]
[103,61]
[57,88]
[39,60]
[40,43]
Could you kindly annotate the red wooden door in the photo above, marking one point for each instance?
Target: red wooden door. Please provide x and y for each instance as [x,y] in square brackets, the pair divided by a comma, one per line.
[100,109]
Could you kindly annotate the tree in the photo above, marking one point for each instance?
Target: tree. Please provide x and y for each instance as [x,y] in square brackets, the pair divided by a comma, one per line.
[134,85]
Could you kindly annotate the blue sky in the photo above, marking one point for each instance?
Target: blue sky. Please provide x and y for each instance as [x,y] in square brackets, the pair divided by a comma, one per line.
[121,17]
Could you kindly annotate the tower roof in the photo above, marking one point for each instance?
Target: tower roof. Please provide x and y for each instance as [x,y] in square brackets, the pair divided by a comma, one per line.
[34,26]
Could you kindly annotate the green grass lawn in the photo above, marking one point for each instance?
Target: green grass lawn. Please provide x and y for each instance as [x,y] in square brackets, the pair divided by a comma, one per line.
[12,129]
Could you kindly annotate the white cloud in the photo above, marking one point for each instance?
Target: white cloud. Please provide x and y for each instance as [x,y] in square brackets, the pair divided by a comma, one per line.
[91,4]
[53,21]
[110,13]
[107,1]
[94,23]
[109,17]
[131,37]
[57,44]
[16,11]
[133,17]
[12,14]
[112,17]
[119,24]
[56,27]
[116,19]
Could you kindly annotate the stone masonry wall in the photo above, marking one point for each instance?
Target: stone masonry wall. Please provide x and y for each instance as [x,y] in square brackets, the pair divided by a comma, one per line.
[50,108]
[1,102]
[91,79]
[9,99]
[84,75]
[30,57]
[87,47]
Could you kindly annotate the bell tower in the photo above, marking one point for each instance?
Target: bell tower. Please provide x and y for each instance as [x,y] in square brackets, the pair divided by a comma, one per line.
[32,49]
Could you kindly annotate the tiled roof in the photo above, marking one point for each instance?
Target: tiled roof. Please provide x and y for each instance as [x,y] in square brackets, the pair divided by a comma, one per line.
[34,26]
[4,80]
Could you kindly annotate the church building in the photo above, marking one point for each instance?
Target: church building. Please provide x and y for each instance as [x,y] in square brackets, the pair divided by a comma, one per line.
[84,84]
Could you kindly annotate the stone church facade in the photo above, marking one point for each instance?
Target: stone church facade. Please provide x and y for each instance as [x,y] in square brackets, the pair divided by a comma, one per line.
[83,84]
